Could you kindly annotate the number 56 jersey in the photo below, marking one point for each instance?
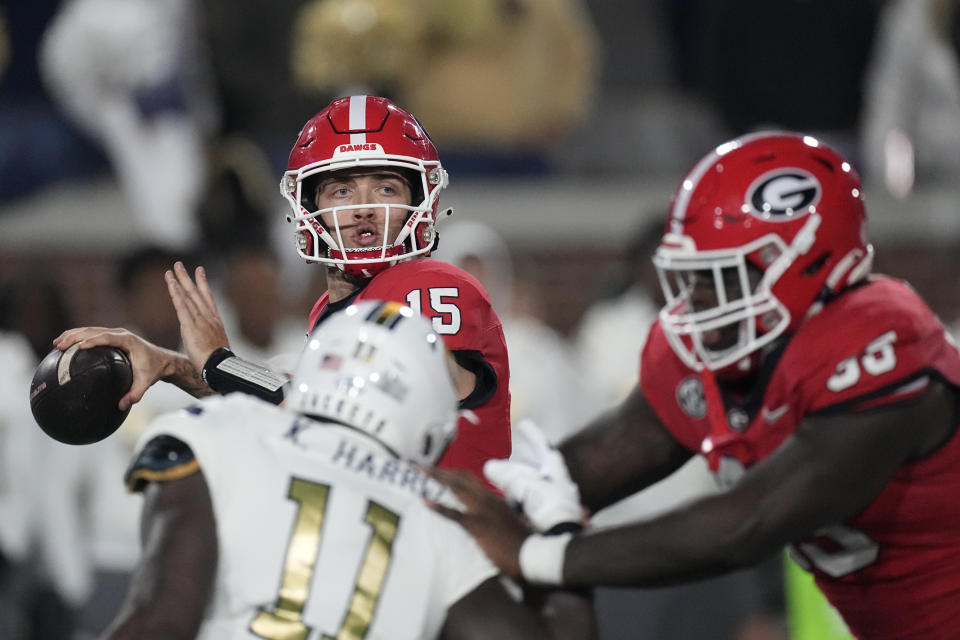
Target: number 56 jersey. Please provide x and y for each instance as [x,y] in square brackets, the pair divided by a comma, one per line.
[322,533]
[893,570]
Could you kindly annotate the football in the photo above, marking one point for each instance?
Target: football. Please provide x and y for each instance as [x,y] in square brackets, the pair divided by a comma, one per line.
[74,393]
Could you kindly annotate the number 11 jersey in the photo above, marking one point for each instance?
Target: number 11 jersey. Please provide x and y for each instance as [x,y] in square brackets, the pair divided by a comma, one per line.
[322,532]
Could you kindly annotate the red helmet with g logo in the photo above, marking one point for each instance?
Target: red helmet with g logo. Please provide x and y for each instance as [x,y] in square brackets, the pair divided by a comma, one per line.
[361,132]
[773,224]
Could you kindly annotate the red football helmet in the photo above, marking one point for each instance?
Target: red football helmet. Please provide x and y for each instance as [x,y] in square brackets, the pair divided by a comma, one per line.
[357,132]
[761,232]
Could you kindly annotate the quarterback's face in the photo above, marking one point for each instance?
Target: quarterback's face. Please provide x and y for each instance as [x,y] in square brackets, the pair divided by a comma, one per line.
[370,188]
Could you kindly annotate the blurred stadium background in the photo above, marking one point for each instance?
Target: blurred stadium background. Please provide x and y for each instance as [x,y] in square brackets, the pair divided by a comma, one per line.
[143,125]
[565,125]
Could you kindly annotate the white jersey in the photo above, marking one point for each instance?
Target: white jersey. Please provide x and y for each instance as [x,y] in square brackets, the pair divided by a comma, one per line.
[320,529]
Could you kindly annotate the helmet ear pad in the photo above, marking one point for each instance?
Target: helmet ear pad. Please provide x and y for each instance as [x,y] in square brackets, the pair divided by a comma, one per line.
[305,242]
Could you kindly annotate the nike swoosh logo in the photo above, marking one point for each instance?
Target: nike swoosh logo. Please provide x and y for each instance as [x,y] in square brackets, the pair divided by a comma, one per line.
[773,415]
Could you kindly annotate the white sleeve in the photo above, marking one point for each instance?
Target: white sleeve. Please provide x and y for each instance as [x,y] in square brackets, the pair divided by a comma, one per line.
[197,427]
[464,566]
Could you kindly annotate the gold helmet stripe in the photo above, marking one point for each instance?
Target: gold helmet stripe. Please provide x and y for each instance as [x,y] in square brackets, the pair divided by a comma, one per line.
[388,314]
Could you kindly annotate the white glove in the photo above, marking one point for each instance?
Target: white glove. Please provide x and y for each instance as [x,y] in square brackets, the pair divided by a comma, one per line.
[536,478]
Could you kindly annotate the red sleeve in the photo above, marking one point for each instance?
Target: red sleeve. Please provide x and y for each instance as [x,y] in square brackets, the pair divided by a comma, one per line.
[673,390]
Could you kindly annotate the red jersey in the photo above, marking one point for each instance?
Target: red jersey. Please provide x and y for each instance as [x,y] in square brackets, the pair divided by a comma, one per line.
[461,312]
[893,570]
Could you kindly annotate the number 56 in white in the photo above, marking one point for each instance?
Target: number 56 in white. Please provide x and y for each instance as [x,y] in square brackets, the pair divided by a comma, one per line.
[877,358]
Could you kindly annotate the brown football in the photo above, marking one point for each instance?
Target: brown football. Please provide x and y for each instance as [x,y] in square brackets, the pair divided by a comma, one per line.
[74,393]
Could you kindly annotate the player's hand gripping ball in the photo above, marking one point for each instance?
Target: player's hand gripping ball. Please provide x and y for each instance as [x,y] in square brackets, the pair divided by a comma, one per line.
[74,393]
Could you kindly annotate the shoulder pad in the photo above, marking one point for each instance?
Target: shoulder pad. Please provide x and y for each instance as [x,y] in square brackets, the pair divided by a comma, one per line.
[889,338]
[162,458]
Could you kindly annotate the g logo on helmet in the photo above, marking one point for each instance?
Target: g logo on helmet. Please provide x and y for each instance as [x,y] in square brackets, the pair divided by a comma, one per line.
[783,194]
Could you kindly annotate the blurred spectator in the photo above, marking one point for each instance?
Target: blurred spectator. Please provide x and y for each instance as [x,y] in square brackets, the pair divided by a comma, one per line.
[545,385]
[238,198]
[37,145]
[244,232]
[613,330]
[44,566]
[111,515]
[133,74]
[68,528]
[34,306]
[254,311]
[911,116]
[146,304]
[739,606]
[17,499]
[249,44]
[645,119]
[795,64]
[496,83]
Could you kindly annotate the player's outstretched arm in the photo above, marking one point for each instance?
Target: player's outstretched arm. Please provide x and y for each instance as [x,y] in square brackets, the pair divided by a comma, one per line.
[489,611]
[150,362]
[174,578]
[830,469]
[622,451]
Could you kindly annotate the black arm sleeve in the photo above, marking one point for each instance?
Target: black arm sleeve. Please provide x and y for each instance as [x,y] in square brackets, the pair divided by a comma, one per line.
[486,384]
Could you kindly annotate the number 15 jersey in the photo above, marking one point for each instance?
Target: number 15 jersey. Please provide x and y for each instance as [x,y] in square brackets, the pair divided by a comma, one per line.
[461,313]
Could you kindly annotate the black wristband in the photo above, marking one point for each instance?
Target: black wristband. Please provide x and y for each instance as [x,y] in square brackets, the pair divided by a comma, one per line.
[215,358]
[225,372]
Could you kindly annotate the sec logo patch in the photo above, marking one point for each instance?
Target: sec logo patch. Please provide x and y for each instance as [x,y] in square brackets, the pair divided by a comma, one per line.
[690,397]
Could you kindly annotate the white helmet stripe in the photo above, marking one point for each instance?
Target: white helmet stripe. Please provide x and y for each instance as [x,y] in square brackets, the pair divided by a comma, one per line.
[690,183]
[358,119]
